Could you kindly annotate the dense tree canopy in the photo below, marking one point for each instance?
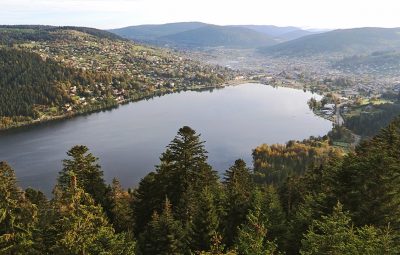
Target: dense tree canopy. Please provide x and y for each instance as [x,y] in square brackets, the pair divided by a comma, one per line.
[334,234]
[81,226]
[17,215]
[238,186]
[181,175]
[26,79]
[370,121]
[342,205]
[273,164]
[84,165]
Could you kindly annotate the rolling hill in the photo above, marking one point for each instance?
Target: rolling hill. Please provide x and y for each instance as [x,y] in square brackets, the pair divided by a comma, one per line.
[282,34]
[148,33]
[271,30]
[182,34]
[378,62]
[197,34]
[20,33]
[217,36]
[342,41]
[292,35]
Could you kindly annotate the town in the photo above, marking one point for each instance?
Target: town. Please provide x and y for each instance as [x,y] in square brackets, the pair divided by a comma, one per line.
[121,71]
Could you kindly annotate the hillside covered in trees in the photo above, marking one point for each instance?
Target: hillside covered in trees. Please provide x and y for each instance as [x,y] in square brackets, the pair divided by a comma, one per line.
[387,62]
[218,36]
[28,80]
[352,41]
[340,204]
[202,35]
[52,72]
[371,118]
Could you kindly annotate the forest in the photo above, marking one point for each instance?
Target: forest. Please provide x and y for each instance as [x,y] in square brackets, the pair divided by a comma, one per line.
[12,34]
[338,204]
[370,121]
[31,87]
[27,81]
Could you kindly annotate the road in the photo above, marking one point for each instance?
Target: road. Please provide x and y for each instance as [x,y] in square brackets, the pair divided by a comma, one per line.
[339,118]
[340,121]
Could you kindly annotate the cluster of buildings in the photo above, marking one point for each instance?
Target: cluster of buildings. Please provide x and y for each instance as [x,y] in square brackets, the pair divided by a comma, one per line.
[132,68]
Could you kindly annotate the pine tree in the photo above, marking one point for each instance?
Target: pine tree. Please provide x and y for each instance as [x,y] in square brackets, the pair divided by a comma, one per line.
[182,174]
[302,219]
[330,235]
[291,193]
[275,218]
[80,226]
[163,235]
[252,234]
[18,217]
[84,165]
[41,236]
[368,182]
[121,212]
[238,187]
[205,222]
[184,164]
[334,234]
[310,196]
[372,240]
[36,197]
[147,199]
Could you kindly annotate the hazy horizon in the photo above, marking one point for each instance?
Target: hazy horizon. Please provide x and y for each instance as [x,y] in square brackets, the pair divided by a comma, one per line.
[108,14]
[188,21]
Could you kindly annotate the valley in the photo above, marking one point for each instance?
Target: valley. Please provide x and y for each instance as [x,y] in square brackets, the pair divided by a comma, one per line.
[100,70]
[125,131]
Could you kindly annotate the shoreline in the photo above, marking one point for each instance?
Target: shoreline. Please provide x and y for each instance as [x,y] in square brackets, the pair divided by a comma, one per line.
[158,93]
[38,122]
[72,125]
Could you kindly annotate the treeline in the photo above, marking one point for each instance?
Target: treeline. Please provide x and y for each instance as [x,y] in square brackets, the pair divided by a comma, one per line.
[12,34]
[275,163]
[346,205]
[27,80]
[369,122]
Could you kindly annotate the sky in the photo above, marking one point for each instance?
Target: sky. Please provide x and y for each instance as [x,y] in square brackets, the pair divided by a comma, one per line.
[106,14]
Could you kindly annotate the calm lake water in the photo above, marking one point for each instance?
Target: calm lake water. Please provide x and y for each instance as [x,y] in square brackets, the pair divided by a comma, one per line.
[130,139]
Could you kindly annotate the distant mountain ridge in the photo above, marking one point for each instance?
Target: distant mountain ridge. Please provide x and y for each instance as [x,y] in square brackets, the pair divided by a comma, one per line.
[152,32]
[271,30]
[197,34]
[43,32]
[215,36]
[292,35]
[341,41]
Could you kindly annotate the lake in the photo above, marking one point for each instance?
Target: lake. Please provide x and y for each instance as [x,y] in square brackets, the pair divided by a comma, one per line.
[129,140]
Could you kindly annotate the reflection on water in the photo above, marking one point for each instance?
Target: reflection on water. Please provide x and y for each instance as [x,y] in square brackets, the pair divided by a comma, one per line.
[130,139]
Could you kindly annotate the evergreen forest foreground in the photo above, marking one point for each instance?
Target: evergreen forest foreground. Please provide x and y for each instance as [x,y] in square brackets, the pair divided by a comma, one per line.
[300,198]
